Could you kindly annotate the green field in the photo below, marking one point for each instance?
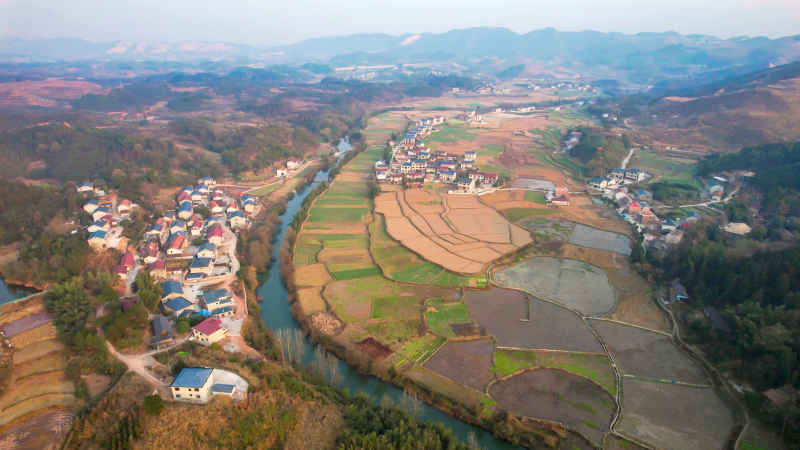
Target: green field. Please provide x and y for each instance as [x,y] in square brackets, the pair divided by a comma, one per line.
[491,150]
[595,367]
[665,168]
[516,214]
[439,315]
[421,348]
[394,306]
[321,214]
[352,274]
[534,196]
[306,254]
[451,132]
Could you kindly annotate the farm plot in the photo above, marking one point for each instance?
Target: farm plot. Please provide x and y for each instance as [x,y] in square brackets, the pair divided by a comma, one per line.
[26,323]
[310,300]
[41,333]
[37,385]
[550,229]
[36,350]
[575,284]
[599,239]
[555,395]
[421,348]
[594,367]
[674,417]
[337,214]
[466,362]
[311,275]
[43,431]
[519,322]
[440,317]
[647,354]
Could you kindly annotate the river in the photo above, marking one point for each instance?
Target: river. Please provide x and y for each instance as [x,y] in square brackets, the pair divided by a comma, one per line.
[277,316]
[12,292]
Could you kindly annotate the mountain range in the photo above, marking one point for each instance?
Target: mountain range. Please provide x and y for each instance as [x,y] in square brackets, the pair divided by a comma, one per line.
[642,56]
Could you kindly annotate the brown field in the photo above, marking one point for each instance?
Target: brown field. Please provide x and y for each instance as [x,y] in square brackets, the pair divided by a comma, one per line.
[516,321]
[36,385]
[458,233]
[36,403]
[331,256]
[446,386]
[311,275]
[41,333]
[674,417]
[335,228]
[41,431]
[559,396]
[12,312]
[373,348]
[466,362]
[635,351]
[47,363]
[310,300]
[36,350]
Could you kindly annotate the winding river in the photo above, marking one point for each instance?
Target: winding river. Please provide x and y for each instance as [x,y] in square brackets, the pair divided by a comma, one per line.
[277,316]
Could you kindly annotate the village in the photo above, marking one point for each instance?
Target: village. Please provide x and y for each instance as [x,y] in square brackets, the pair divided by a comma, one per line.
[191,252]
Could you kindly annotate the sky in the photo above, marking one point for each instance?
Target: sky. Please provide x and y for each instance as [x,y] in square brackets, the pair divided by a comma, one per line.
[275,22]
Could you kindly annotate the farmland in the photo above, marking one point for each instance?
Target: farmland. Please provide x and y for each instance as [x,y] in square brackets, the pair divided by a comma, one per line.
[407,282]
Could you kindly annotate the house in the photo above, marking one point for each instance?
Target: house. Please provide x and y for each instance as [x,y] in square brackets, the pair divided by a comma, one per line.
[215,234]
[739,228]
[643,194]
[237,219]
[98,225]
[635,175]
[464,183]
[127,260]
[197,196]
[208,331]
[218,195]
[202,265]
[396,178]
[470,155]
[171,289]
[101,212]
[617,175]
[193,384]
[196,227]
[90,206]
[634,208]
[185,210]
[292,163]
[217,299]
[282,172]
[178,226]
[176,243]
[176,305]
[668,225]
[215,208]
[476,176]
[158,269]
[85,187]
[560,200]
[97,240]
[162,331]
[207,250]
[677,292]
[124,207]
[249,205]
[207,181]
[490,178]
[225,311]
[380,175]
[155,230]
[598,182]
[447,176]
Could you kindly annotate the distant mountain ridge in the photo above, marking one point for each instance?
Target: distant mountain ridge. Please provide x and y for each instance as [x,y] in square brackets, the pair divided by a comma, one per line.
[667,54]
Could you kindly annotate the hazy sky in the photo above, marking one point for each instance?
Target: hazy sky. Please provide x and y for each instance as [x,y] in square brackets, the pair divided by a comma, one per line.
[285,21]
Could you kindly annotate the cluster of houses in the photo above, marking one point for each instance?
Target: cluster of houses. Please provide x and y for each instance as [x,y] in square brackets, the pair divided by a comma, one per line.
[618,177]
[107,212]
[634,207]
[413,164]
[180,302]
[168,246]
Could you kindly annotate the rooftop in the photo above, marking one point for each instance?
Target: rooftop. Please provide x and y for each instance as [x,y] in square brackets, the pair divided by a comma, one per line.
[178,303]
[209,326]
[223,388]
[192,377]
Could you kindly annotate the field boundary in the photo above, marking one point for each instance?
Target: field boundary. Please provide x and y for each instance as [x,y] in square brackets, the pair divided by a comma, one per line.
[666,381]
[618,322]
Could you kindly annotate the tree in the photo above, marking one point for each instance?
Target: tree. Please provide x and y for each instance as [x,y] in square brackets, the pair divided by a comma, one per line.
[70,306]
[153,405]
[182,326]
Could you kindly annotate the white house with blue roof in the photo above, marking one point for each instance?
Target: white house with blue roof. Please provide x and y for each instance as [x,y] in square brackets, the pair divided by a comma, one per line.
[199,384]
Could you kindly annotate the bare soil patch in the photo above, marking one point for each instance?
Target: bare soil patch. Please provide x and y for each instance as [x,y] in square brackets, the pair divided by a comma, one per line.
[311,275]
[96,383]
[374,348]
[647,354]
[326,323]
[517,321]
[466,362]
[40,431]
[676,417]
[467,329]
[559,396]
[310,300]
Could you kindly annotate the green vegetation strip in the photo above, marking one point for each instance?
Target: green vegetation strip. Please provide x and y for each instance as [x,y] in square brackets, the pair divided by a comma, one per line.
[516,214]
[536,197]
[594,367]
[356,273]
[439,316]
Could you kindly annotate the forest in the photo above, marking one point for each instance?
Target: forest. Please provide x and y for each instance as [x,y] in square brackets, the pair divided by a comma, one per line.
[27,210]
[598,151]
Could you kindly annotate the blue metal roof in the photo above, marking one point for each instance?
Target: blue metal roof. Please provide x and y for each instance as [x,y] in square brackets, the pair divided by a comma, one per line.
[201,262]
[171,287]
[192,377]
[213,296]
[223,388]
[178,303]
[98,234]
[222,310]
